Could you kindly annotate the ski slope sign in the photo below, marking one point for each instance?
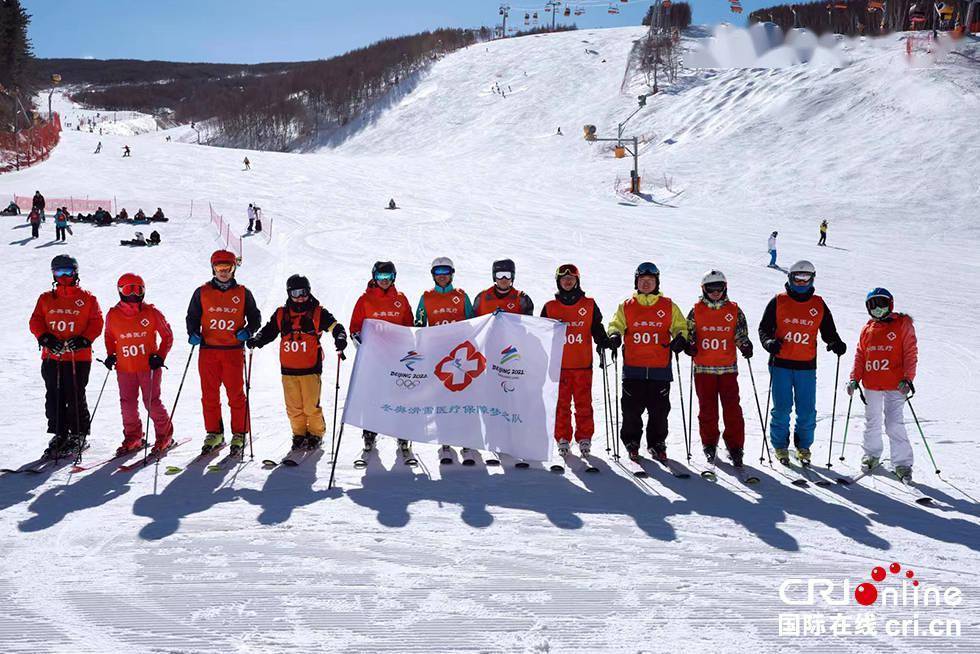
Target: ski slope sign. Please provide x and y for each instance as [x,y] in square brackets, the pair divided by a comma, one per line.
[489,383]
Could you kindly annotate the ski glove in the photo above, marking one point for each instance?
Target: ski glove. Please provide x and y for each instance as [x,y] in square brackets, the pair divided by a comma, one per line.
[76,343]
[194,339]
[242,335]
[614,342]
[746,349]
[691,349]
[905,387]
[110,361]
[252,343]
[51,342]
[679,344]
[772,346]
[852,386]
[837,347]
[156,361]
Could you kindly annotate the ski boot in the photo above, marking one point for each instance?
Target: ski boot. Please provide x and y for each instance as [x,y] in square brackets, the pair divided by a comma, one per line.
[212,441]
[869,463]
[312,442]
[445,454]
[404,446]
[803,456]
[585,446]
[904,474]
[468,456]
[563,446]
[658,453]
[237,444]
[633,453]
[130,444]
[162,444]
[369,438]
[782,455]
[299,441]
[735,454]
[56,448]
[710,452]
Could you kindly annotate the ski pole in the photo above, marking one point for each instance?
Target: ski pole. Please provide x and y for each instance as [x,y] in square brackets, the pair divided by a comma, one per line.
[690,411]
[336,397]
[146,432]
[922,434]
[847,424]
[680,391]
[181,387]
[755,394]
[605,395]
[333,466]
[78,411]
[615,359]
[765,424]
[248,405]
[99,399]
[833,413]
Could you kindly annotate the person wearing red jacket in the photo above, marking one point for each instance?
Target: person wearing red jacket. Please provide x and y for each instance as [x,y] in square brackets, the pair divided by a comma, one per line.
[65,321]
[502,295]
[380,301]
[221,316]
[885,361]
[137,341]
[583,326]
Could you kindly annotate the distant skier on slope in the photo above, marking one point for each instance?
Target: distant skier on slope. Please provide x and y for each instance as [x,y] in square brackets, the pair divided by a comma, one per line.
[823,234]
[583,326]
[299,324]
[718,328]
[65,321]
[772,249]
[126,151]
[248,164]
[381,301]
[442,305]
[391,204]
[502,295]
[137,341]
[788,331]
[98,148]
[885,361]
[649,326]
[221,316]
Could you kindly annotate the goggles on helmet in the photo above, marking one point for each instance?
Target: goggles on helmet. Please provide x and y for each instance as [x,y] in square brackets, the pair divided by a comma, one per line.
[64,272]
[441,270]
[299,292]
[503,274]
[715,287]
[131,289]
[223,267]
[384,276]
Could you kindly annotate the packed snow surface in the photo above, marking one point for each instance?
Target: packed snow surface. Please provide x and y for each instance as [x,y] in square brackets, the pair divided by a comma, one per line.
[499,559]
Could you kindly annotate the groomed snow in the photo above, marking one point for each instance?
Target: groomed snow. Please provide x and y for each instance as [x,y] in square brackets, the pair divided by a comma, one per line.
[487,560]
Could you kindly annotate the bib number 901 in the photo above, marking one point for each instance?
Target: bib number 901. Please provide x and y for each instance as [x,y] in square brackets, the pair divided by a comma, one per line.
[645,338]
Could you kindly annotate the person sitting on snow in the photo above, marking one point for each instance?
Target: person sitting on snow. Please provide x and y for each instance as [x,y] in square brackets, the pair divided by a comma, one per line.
[158,217]
[139,241]
[122,216]
[11,210]
[154,238]
[140,217]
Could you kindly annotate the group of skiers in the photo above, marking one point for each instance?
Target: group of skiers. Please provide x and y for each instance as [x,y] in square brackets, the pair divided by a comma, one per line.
[649,327]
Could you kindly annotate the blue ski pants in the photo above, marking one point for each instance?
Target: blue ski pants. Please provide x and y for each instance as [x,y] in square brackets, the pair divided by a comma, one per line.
[789,386]
[772,257]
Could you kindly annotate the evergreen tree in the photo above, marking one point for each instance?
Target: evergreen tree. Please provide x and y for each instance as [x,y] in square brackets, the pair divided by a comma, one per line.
[15,57]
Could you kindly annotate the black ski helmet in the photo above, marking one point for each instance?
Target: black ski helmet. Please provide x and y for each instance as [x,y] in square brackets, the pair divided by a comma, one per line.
[383,267]
[64,261]
[503,265]
[296,283]
[647,268]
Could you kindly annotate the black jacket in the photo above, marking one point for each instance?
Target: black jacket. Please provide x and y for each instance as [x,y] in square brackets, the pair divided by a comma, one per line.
[273,329]
[253,317]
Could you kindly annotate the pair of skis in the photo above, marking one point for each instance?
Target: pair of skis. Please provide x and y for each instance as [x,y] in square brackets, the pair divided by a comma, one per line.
[583,460]
[916,493]
[744,474]
[405,453]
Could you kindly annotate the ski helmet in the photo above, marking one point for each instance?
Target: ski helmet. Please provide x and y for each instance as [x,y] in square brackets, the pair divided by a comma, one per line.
[879,303]
[383,270]
[223,257]
[802,273]
[714,280]
[297,286]
[442,264]
[647,269]
[564,270]
[503,266]
[131,288]
[64,265]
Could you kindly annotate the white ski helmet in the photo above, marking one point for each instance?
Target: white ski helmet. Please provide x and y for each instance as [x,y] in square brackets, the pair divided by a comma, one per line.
[802,267]
[442,262]
[713,277]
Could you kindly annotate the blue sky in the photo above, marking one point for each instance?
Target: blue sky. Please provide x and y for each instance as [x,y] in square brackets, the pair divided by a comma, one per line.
[250,31]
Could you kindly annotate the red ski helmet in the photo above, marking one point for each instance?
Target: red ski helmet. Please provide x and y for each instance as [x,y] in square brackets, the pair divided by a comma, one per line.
[131,286]
[223,257]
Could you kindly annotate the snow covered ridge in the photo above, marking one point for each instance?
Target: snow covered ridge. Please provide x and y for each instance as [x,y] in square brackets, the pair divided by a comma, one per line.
[421,559]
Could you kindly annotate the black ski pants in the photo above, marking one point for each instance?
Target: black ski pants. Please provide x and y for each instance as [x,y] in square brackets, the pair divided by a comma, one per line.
[35,230]
[60,233]
[652,396]
[64,400]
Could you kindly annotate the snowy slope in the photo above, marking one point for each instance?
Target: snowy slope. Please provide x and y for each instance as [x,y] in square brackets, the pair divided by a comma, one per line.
[508,560]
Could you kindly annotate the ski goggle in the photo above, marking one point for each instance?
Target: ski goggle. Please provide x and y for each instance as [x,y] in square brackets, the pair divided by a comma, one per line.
[503,274]
[223,267]
[442,270]
[299,292]
[64,272]
[131,289]
[384,276]
[567,270]
[714,287]
[801,279]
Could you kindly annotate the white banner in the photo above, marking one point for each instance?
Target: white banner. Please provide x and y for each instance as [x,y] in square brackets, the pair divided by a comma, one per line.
[489,383]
